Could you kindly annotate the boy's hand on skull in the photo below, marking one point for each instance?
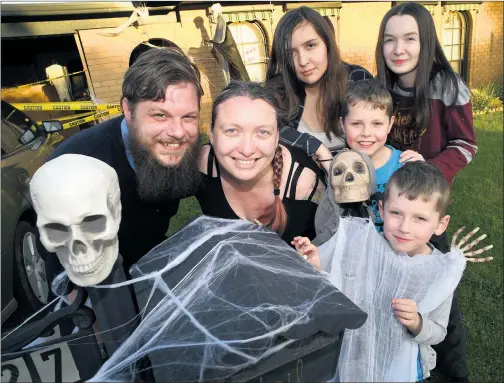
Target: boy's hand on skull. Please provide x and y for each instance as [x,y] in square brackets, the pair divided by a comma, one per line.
[466,250]
[307,250]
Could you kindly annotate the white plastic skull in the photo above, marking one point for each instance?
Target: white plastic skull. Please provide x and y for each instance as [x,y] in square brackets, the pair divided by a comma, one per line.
[214,12]
[350,178]
[78,204]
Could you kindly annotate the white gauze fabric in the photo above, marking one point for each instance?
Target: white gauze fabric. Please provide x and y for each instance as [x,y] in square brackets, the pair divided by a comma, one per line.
[361,264]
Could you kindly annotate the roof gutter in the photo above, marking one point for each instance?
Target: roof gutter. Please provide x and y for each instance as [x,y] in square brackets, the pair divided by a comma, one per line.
[35,11]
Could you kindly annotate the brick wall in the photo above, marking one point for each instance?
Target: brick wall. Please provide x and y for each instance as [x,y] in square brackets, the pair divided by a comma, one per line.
[359,26]
[107,56]
[486,48]
[212,81]
[106,65]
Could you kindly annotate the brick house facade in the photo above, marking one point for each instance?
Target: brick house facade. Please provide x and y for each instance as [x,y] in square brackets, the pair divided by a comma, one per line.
[486,53]
[472,31]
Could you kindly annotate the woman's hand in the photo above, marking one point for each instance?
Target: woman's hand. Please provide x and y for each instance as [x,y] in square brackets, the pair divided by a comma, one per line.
[410,155]
[323,157]
[307,250]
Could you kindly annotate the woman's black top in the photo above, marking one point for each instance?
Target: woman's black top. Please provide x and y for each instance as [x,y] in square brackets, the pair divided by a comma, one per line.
[300,213]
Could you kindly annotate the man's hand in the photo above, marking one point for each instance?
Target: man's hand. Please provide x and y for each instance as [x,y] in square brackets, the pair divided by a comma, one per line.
[410,156]
[466,250]
[307,250]
[405,310]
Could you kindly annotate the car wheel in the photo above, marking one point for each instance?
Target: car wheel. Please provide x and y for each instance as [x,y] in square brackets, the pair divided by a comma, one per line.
[31,285]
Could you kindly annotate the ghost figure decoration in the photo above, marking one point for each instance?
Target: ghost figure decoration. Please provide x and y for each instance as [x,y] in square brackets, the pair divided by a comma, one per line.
[214,12]
[78,204]
[350,178]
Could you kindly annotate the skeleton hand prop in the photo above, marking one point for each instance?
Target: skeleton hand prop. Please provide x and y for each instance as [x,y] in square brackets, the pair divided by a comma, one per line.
[466,250]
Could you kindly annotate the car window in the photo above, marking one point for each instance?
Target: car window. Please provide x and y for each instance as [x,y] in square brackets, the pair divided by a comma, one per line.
[17,129]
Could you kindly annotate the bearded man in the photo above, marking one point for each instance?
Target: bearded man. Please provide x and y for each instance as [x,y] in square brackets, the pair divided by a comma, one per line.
[153,147]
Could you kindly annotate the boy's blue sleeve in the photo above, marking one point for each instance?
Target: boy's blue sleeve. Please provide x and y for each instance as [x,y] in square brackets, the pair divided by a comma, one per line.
[303,141]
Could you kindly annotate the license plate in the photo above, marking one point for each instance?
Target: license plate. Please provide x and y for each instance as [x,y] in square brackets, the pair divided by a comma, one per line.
[49,364]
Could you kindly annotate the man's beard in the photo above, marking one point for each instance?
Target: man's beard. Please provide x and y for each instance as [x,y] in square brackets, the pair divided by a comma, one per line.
[159,183]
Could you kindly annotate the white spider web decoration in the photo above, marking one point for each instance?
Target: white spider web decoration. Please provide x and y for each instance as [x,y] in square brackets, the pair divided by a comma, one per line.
[222,297]
[361,263]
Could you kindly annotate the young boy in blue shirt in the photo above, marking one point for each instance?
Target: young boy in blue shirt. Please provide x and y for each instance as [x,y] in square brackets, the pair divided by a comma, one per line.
[367,116]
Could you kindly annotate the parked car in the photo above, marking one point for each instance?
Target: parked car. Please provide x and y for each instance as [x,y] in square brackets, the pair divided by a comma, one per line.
[25,147]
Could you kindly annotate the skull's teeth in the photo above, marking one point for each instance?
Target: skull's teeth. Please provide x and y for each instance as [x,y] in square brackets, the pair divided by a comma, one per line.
[89,267]
[347,189]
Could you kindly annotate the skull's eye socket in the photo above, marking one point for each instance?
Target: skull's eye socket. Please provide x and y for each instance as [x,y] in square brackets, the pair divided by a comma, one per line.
[56,232]
[94,224]
[338,170]
[359,167]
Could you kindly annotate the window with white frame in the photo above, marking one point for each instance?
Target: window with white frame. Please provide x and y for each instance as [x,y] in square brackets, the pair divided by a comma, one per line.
[251,41]
[455,41]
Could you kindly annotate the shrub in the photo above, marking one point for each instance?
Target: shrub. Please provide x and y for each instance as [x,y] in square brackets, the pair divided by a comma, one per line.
[487,97]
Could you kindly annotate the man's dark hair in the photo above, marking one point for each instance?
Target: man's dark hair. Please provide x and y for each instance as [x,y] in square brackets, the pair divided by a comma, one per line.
[420,180]
[155,70]
[146,45]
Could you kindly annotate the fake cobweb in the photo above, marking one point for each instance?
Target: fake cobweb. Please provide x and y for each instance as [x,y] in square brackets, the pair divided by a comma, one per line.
[222,296]
[361,263]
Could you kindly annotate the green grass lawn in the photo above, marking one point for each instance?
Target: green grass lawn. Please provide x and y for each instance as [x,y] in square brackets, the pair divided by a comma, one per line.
[477,201]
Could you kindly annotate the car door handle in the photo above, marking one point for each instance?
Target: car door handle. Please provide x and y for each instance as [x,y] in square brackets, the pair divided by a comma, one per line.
[24,179]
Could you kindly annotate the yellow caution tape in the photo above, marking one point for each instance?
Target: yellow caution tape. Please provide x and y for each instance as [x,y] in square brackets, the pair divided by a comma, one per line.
[91,118]
[42,81]
[64,106]
[71,117]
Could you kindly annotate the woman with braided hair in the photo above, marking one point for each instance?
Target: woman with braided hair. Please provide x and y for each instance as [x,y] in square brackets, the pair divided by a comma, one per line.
[247,174]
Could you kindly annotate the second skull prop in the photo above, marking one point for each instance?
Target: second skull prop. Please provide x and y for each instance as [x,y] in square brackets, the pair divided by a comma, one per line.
[78,204]
[350,177]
